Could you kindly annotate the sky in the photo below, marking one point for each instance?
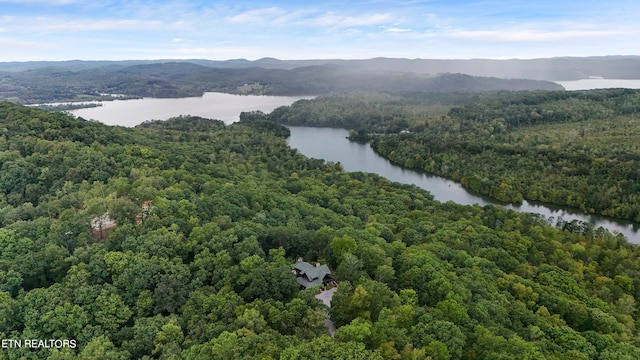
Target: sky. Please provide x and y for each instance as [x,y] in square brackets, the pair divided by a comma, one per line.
[55,30]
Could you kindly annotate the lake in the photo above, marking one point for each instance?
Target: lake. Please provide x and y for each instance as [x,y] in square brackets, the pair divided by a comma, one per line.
[589,84]
[225,107]
[325,143]
[333,145]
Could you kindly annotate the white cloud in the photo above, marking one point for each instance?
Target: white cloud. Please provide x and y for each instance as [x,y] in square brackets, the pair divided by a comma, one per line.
[259,16]
[217,52]
[46,2]
[334,20]
[308,18]
[397,30]
[12,43]
[48,24]
[526,35]
[411,28]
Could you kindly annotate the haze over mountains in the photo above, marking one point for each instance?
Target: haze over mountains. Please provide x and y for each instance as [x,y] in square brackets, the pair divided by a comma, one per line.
[33,82]
[551,69]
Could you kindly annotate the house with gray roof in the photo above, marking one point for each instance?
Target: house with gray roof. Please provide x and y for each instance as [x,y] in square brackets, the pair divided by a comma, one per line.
[309,275]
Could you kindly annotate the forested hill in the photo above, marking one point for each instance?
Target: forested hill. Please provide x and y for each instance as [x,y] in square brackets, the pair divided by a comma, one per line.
[577,149]
[570,149]
[182,79]
[209,219]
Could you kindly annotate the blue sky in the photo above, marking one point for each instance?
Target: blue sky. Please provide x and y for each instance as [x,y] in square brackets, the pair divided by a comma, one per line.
[430,29]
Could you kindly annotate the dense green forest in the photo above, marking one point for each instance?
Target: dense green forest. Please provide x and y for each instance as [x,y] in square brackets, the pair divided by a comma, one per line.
[579,149]
[369,112]
[209,220]
[182,79]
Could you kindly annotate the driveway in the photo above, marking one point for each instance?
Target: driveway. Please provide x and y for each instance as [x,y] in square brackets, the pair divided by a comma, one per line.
[325,296]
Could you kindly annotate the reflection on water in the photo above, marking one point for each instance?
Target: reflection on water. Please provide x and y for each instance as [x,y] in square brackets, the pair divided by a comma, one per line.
[225,107]
[333,145]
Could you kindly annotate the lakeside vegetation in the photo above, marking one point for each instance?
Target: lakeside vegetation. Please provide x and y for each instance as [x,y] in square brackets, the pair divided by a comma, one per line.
[67,106]
[203,270]
[578,149]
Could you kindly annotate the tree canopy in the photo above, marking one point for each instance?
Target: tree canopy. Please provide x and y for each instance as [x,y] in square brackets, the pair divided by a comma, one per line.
[209,219]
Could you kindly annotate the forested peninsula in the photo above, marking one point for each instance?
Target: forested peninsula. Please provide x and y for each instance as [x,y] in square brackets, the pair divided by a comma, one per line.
[176,239]
[578,149]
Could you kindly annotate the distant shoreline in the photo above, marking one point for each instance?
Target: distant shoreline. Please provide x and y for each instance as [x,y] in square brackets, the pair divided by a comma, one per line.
[593,83]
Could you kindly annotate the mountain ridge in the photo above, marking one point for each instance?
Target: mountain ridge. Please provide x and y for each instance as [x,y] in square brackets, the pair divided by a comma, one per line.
[81,81]
[550,69]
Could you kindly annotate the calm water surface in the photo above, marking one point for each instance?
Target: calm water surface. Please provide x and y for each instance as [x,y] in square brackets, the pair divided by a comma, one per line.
[225,107]
[333,145]
[588,84]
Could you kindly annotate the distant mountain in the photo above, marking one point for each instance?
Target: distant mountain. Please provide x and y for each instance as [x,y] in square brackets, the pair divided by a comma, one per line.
[553,69]
[550,69]
[75,81]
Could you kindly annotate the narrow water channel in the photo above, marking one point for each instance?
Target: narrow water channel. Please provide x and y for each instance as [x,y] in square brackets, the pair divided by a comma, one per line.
[333,145]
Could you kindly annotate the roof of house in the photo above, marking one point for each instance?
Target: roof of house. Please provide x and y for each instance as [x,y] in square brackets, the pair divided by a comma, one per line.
[311,275]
